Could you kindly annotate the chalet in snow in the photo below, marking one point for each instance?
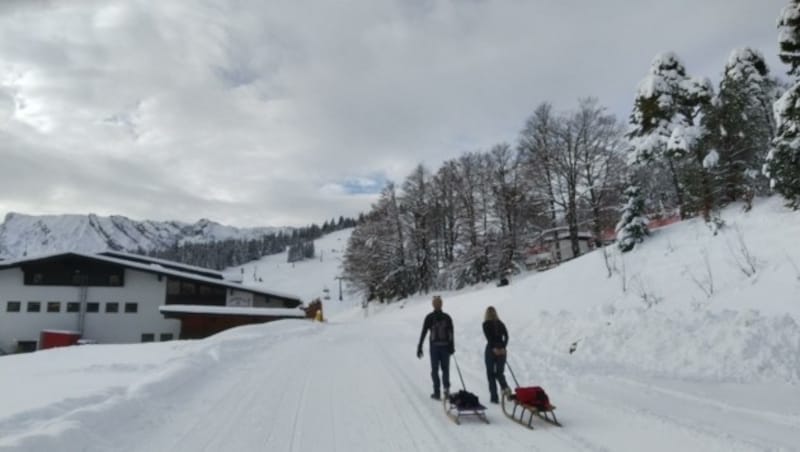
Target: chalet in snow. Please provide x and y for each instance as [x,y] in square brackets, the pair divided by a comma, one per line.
[114,297]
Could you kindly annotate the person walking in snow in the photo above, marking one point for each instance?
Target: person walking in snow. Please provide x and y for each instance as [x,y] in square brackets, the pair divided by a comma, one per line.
[495,354]
[442,345]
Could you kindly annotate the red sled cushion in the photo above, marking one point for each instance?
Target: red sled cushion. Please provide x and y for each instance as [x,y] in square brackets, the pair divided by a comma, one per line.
[533,396]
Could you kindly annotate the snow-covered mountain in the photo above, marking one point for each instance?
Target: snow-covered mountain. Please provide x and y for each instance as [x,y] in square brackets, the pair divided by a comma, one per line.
[22,235]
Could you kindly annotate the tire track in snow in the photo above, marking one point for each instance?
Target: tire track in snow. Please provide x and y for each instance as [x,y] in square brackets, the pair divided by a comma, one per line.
[601,407]
[409,397]
[772,417]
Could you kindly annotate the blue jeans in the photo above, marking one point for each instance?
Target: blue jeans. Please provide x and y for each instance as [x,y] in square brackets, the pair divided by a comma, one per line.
[495,365]
[440,357]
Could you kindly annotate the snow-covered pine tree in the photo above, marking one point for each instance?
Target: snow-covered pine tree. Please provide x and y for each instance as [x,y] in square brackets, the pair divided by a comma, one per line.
[789,37]
[655,115]
[690,146]
[782,164]
[741,126]
[666,131]
[632,227]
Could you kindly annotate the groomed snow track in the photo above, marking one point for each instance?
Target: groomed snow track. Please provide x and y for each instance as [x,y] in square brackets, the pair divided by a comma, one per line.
[299,386]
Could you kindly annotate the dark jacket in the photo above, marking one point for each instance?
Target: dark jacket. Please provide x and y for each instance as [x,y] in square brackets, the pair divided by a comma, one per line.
[496,334]
[433,319]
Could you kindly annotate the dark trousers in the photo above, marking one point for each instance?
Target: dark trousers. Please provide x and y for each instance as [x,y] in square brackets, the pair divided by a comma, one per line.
[440,357]
[495,365]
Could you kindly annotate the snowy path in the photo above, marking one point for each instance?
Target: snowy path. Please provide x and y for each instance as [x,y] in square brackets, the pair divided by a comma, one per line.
[357,386]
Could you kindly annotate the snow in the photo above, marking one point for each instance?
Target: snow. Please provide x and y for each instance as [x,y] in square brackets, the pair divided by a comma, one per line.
[659,363]
[232,310]
[711,160]
[307,279]
[43,234]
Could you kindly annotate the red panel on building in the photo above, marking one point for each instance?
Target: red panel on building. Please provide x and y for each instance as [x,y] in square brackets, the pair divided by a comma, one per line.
[58,338]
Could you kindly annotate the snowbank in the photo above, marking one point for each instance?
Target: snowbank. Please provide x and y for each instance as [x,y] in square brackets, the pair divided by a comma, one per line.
[680,305]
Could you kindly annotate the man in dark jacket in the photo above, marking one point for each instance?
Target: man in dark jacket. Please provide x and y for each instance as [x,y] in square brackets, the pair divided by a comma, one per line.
[442,345]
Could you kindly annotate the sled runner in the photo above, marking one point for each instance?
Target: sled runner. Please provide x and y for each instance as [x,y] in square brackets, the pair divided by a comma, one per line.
[463,403]
[527,402]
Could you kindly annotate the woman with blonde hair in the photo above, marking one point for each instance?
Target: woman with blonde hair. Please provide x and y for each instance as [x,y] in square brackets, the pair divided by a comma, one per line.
[495,354]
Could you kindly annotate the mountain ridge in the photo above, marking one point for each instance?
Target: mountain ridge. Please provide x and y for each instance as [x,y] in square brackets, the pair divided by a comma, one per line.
[23,234]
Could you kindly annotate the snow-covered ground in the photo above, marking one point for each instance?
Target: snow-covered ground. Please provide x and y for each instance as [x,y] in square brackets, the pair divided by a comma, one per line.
[668,364]
[308,279]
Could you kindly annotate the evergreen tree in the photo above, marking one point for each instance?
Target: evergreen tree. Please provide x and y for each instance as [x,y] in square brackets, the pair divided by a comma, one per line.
[667,132]
[789,37]
[741,125]
[783,160]
[632,228]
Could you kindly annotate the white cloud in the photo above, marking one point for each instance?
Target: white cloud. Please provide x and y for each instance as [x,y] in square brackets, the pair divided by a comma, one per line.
[256,112]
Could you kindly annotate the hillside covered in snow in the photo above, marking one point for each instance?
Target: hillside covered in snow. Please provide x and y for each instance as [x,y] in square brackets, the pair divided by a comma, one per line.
[22,235]
[690,342]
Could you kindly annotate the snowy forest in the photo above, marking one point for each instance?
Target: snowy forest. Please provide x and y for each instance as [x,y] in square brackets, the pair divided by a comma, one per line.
[688,148]
[229,253]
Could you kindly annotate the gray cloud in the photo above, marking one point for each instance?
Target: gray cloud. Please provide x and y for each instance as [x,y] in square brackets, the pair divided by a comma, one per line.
[257,113]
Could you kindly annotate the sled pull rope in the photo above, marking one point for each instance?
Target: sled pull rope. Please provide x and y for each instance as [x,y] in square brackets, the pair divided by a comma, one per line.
[512,374]
[459,372]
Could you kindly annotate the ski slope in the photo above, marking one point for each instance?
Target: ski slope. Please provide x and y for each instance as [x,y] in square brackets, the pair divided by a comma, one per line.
[692,372]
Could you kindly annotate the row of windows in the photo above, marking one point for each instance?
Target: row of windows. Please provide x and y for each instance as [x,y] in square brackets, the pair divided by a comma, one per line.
[163,337]
[70,306]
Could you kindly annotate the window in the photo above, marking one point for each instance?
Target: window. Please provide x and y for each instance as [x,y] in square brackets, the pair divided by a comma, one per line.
[148,337]
[53,306]
[13,306]
[165,337]
[93,307]
[114,280]
[73,306]
[34,306]
[131,307]
[38,278]
[187,288]
[173,287]
[112,307]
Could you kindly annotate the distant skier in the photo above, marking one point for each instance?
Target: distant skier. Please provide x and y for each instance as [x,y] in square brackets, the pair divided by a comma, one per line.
[442,345]
[495,355]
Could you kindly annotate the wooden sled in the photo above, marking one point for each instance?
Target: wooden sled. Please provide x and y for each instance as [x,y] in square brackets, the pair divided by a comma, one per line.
[455,413]
[518,412]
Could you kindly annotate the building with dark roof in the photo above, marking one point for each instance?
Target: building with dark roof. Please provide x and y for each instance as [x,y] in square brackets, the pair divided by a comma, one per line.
[115,297]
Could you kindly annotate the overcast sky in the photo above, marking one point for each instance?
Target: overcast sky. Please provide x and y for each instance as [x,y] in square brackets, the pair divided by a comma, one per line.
[273,112]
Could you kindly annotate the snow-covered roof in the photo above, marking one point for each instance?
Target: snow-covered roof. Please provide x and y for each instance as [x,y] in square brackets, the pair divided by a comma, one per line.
[232,310]
[157,269]
[562,232]
[165,263]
